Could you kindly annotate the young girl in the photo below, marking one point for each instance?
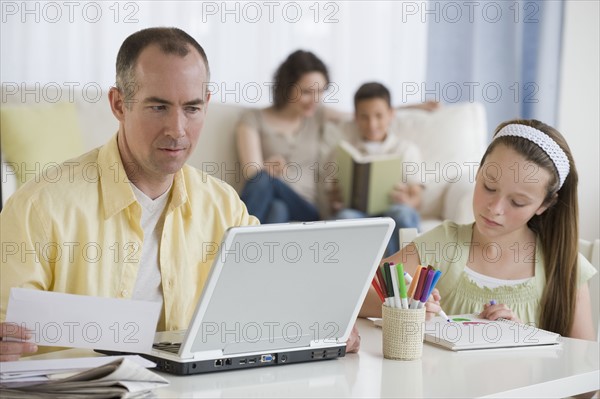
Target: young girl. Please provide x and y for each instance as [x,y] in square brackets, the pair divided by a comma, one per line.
[521,252]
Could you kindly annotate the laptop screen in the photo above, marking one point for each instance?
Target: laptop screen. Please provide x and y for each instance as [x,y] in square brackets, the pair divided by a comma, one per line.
[285,286]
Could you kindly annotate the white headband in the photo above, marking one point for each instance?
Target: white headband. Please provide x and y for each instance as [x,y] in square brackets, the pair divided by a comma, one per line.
[556,154]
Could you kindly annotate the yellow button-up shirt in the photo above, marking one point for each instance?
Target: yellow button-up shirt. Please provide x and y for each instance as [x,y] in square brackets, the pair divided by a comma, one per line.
[76,229]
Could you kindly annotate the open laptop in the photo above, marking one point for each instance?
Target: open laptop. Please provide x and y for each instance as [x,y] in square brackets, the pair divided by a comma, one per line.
[278,294]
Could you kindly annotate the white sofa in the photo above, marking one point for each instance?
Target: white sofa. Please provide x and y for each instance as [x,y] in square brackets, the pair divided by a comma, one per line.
[452,140]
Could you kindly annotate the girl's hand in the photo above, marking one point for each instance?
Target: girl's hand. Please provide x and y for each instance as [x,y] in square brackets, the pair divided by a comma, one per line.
[498,311]
[432,306]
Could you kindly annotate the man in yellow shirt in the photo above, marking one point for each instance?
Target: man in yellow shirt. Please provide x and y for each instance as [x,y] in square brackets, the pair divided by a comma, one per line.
[129,219]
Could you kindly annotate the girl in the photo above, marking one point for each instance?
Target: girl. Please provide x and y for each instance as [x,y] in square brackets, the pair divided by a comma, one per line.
[521,251]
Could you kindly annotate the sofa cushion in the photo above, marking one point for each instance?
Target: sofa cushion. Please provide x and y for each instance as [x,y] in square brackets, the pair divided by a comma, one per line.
[37,137]
[452,141]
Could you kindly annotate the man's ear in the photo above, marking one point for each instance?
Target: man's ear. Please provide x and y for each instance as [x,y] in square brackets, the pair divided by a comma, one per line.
[117,103]
[547,204]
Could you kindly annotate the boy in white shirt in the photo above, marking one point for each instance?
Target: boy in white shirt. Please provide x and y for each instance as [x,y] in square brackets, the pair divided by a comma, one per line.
[371,132]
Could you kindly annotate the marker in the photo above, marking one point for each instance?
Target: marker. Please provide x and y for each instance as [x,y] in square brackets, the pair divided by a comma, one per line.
[444,315]
[419,290]
[382,285]
[413,284]
[426,288]
[388,284]
[493,302]
[402,285]
[378,289]
[395,286]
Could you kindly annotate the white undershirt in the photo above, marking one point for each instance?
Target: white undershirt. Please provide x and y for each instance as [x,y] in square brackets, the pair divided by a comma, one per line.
[491,282]
[148,285]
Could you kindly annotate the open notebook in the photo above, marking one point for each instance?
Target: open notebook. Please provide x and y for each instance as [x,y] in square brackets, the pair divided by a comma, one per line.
[467,331]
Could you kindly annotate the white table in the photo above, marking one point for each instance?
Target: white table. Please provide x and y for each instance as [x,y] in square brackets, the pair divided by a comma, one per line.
[560,371]
[526,372]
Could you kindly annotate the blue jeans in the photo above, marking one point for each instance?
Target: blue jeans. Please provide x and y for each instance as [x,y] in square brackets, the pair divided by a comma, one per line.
[404,216]
[273,201]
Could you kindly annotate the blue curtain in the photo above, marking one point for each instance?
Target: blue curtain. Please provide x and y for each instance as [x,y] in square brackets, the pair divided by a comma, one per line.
[504,54]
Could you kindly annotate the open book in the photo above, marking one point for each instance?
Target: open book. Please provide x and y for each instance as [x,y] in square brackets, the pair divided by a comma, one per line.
[119,378]
[366,181]
[467,331]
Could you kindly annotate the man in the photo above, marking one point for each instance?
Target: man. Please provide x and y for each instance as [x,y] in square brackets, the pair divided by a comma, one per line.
[147,216]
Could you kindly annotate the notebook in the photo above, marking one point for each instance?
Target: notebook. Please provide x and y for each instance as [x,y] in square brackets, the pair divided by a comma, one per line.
[278,294]
[468,332]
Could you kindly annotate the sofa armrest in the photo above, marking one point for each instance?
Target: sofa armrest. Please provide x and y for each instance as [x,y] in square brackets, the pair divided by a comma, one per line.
[458,201]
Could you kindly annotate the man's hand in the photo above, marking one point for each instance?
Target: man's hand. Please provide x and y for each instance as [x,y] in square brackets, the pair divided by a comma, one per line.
[12,342]
[353,343]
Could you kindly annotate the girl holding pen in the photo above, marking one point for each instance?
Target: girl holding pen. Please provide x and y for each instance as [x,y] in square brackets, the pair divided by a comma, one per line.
[522,248]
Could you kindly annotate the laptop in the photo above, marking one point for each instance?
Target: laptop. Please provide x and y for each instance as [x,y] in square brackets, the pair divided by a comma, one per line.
[278,294]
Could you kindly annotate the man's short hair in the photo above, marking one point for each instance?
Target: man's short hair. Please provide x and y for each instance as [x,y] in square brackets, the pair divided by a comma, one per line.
[372,90]
[170,41]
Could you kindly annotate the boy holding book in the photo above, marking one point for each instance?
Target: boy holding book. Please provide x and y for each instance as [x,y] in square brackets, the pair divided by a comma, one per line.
[371,133]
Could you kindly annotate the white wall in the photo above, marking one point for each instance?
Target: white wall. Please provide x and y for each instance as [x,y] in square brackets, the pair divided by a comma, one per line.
[579,105]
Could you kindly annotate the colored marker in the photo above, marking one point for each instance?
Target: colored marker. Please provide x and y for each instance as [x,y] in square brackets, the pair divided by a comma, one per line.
[402,285]
[444,315]
[493,302]
[375,285]
[413,284]
[419,290]
[382,284]
[395,286]
[426,288]
[388,284]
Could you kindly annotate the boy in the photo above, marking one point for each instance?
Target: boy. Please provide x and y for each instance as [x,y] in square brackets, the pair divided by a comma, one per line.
[371,133]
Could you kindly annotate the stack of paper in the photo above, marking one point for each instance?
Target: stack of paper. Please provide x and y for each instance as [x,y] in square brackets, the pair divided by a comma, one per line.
[97,377]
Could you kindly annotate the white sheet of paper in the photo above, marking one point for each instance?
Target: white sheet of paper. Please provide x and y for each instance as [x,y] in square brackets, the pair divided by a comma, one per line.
[79,321]
[29,368]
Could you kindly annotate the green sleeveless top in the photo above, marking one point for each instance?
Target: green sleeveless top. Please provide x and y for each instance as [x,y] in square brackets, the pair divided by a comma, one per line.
[447,248]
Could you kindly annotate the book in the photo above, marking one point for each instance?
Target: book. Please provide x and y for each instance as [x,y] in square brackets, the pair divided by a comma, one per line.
[366,181]
[468,332]
[122,377]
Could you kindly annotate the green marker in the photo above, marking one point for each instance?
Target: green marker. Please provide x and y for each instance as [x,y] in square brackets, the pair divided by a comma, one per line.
[402,285]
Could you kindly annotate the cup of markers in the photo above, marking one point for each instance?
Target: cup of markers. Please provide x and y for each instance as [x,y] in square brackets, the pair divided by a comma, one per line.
[403,309]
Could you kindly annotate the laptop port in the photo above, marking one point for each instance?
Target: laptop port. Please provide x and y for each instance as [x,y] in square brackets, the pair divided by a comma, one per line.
[243,361]
[252,361]
[266,358]
[227,362]
[218,362]
[283,358]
